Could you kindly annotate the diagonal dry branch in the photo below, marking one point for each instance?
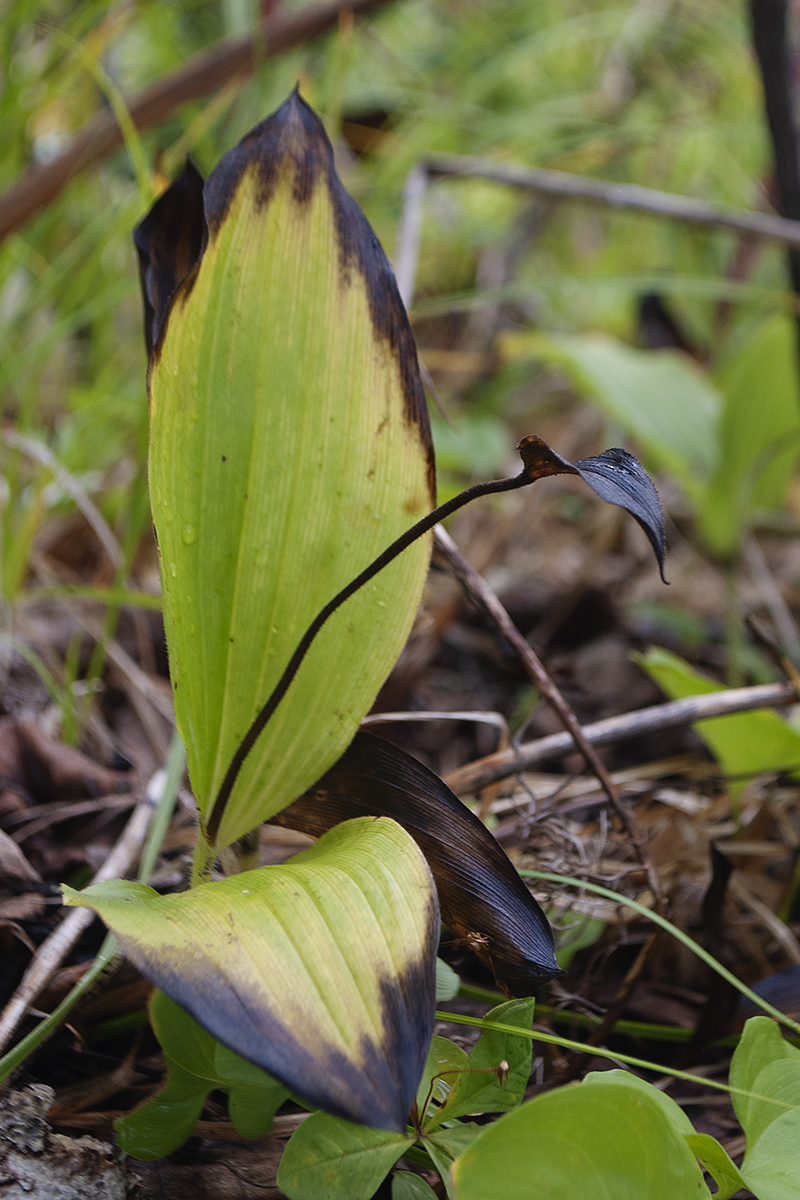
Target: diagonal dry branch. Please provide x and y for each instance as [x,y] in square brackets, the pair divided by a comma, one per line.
[483,595]
[101,135]
[477,775]
[562,185]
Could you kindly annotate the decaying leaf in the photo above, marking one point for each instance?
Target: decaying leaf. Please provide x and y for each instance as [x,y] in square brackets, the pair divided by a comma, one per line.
[615,475]
[320,971]
[482,897]
[289,446]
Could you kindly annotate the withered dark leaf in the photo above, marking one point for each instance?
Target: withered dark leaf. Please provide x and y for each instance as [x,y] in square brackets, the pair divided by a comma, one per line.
[482,898]
[169,242]
[615,475]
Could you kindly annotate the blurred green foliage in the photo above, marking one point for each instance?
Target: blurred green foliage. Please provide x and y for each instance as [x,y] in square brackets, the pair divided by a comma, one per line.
[655,93]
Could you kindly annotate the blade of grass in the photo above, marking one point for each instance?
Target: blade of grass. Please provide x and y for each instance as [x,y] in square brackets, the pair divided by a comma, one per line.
[553,1039]
[684,938]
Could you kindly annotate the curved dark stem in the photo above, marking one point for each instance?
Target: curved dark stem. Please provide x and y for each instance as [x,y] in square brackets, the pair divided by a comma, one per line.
[282,686]
[772,43]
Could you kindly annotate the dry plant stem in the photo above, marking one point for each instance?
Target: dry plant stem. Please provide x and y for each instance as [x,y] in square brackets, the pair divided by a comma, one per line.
[484,597]
[61,941]
[564,186]
[204,73]
[475,776]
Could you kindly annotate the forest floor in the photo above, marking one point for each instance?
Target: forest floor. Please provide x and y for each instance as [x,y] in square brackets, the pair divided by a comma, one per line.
[579,582]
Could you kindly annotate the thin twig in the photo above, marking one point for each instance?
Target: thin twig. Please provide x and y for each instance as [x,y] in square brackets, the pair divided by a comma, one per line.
[629,196]
[477,587]
[55,947]
[101,135]
[477,775]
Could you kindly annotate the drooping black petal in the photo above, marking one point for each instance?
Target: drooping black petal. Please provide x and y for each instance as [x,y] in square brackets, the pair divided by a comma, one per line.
[615,475]
[169,241]
[482,898]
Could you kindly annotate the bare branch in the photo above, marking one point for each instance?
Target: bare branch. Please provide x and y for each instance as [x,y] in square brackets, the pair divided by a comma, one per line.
[477,775]
[479,590]
[563,186]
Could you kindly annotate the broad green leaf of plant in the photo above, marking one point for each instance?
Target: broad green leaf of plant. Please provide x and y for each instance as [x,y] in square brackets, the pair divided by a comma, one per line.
[197,1064]
[767,1065]
[406,1186]
[479,1090]
[626,1079]
[602,1140]
[718,1163]
[330,1159]
[289,446]
[445,1145]
[759,434]
[319,971]
[165,1121]
[744,744]
[704,1147]
[445,1060]
[661,398]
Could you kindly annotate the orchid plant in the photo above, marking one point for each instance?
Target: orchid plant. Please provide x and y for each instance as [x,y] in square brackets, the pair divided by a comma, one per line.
[293,491]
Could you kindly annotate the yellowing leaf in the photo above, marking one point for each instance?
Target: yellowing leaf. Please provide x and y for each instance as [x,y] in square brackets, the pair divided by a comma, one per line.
[320,971]
[745,744]
[289,446]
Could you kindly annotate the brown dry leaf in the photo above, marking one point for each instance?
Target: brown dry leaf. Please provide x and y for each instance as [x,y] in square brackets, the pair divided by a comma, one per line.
[55,770]
[15,870]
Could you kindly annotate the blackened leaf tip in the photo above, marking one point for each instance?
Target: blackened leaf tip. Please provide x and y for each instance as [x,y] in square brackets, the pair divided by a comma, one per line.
[616,476]
[293,132]
[483,900]
[169,241]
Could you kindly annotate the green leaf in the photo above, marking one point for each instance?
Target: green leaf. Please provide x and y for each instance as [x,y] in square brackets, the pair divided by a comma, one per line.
[320,970]
[765,1064]
[661,398]
[447,981]
[197,1064]
[771,1169]
[626,1079]
[763,1051]
[744,744]
[407,1186]
[601,1140]
[445,1145]
[289,446]
[483,1092]
[330,1159]
[759,434]
[166,1120]
[718,1163]
[445,1059]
